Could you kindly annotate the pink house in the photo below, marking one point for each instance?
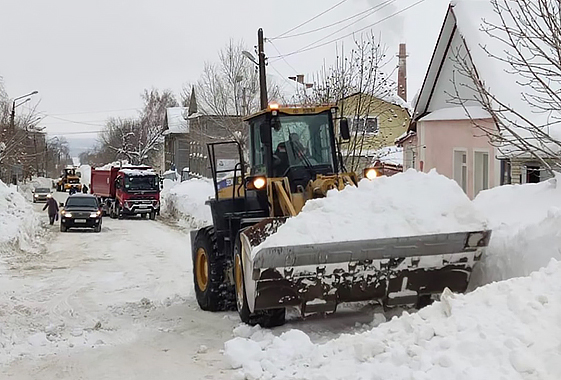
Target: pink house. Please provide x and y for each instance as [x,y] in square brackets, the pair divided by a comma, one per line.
[442,135]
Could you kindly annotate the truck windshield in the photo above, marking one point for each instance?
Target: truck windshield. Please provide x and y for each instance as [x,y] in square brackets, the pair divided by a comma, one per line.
[141,182]
[302,140]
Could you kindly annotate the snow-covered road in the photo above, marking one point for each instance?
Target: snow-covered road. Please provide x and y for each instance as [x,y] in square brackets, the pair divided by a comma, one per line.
[113,305]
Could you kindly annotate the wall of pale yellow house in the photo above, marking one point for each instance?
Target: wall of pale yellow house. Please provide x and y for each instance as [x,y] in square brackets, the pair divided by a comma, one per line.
[393,120]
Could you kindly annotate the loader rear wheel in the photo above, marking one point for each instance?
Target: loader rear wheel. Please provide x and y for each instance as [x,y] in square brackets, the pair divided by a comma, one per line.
[264,318]
[213,291]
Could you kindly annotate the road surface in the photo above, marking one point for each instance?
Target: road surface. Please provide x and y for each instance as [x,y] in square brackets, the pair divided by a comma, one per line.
[120,305]
[112,305]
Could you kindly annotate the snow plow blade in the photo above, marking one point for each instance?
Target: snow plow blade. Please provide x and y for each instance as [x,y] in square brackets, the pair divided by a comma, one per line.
[395,271]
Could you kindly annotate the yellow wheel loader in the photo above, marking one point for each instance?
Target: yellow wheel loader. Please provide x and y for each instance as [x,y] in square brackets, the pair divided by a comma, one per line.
[293,157]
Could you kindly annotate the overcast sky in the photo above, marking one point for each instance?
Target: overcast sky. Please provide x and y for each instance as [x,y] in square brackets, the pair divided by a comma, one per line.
[91,60]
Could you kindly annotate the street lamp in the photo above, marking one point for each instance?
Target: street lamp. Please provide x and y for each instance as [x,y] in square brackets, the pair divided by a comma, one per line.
[250,56]
[13,116]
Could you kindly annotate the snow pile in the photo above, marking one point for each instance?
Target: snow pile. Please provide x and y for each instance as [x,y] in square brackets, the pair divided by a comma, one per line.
[505,330]
[19,223]
[405,204]
[26,188]
[526,224]
[86,174]
[185,201]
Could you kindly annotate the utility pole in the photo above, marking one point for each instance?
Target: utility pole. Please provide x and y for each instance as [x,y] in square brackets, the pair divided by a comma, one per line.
[262,74]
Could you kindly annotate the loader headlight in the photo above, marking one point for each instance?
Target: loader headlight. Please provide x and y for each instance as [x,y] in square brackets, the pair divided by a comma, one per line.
[370,173]
[259,182]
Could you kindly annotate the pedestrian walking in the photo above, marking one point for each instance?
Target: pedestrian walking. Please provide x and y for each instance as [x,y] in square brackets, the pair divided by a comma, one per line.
[85,189]
[52,209]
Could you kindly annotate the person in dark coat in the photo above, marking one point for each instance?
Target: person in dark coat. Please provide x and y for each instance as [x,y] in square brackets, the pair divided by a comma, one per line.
[85,189]
[72,190]
[52,209]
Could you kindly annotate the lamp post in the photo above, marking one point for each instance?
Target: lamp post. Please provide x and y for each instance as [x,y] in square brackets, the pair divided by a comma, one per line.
[13,115]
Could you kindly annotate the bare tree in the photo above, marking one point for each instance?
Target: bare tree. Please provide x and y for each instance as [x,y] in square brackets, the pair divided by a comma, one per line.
[526,39]
[365,72]
[230,87]
[137,140]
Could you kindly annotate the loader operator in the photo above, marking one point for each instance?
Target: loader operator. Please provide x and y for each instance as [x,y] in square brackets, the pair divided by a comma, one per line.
[299,152]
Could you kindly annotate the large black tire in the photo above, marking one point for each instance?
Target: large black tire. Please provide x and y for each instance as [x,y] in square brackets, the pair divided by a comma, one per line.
[264,318]
[97,228]
[63,228]
[212,289]
[153,215]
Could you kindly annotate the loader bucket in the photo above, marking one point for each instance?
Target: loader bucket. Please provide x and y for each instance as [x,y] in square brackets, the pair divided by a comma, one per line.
[394,271]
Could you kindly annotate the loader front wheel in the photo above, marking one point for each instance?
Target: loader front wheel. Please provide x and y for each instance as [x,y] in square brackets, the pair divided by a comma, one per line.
[213,292]
[264,318]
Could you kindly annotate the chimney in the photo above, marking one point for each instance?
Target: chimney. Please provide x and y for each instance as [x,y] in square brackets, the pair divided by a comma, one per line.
[402,73]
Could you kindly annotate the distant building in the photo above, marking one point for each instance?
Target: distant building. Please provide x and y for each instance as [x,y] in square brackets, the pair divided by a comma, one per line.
[374,123]
[187,133]
[176,140]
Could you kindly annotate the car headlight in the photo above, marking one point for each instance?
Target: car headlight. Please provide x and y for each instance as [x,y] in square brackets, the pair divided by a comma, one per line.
[95,214]
[66,214]
[36,195]
[370,173]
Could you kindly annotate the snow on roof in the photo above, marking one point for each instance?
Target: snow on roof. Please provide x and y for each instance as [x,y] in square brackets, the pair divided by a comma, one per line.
[176,121]
[457,113]
[389,155]
[472,17]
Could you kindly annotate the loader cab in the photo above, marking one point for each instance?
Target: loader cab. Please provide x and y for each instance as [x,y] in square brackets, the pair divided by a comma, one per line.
[297,143]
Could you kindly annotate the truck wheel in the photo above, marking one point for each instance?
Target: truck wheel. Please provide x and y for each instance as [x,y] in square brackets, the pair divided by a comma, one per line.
[264,318]
[213,291]
[152,215]
[119,212]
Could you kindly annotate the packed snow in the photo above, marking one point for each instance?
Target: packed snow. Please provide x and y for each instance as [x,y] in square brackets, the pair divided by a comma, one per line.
[19,224]
[185,201]
[406,204]
[506,330]
[526,224]
[86,174]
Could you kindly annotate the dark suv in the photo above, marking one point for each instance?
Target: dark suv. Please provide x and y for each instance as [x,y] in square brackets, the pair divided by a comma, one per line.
[81,211]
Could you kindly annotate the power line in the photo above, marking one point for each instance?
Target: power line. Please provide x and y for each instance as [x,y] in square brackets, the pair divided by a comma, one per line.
[72,133]
[330,25]
[85,113]
[310,47]
[310,20]
[379,7]
[76,122]
[280,54]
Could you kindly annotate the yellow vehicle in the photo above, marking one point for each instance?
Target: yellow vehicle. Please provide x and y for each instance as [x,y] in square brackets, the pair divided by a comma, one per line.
[70,179]
[293,157]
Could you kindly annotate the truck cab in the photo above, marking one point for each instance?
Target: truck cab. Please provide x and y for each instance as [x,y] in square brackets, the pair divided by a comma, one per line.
[137,192]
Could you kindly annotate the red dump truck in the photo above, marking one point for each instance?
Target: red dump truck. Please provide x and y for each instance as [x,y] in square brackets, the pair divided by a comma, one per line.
[127,190]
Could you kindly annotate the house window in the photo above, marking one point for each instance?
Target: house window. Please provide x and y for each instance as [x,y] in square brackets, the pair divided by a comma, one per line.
[460,168]
[368,125]
[532,174]
[480,171]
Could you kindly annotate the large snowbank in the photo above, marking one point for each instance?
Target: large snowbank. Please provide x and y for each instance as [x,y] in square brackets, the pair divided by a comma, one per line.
[526,224]
[19,223]
[405,204]
[185,201]
[86,172]
[506,330]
